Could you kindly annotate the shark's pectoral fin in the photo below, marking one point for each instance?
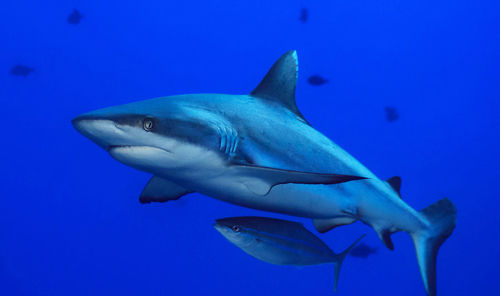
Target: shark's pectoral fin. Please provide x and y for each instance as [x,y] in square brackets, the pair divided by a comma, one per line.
[161,190]
[395,183]
[260,180]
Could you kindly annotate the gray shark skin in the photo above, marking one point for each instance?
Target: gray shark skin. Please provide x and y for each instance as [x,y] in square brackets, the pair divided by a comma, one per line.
[258,151]
[280,242]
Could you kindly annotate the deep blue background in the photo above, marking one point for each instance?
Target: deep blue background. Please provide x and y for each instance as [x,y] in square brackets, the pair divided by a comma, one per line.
[70,220]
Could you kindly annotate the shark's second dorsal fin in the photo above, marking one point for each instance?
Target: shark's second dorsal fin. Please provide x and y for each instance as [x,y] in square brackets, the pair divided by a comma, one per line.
[280,81]
[395,183]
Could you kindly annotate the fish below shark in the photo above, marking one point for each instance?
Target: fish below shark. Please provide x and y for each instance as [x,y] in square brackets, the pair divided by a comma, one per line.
[280,242]
[257,150]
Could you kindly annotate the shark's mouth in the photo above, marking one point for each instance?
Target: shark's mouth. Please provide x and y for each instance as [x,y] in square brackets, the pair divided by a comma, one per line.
[112,148]
[144,158]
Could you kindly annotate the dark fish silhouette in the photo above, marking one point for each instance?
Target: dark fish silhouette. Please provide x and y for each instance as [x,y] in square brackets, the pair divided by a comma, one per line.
[75,17]
[363,250]
[304,15]
[21,70]
[391,114]
[316,80]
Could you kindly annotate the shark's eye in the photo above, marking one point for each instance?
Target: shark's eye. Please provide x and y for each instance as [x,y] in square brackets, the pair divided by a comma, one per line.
[148,124]
[236,228]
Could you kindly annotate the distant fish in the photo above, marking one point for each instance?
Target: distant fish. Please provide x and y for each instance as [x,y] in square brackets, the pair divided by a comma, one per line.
[316,80]
[75,17]
[280,242]
[363,250]
[21,70]
[304,15]
[391,114]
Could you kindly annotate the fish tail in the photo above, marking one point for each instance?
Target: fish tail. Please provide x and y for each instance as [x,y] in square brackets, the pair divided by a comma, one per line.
[340,258]
[442,219]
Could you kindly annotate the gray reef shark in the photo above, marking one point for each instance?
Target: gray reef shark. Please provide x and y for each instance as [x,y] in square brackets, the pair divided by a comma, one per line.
[258,151]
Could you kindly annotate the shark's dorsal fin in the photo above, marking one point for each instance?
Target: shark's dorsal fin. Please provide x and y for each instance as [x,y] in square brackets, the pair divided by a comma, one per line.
[395,183]
[280,81]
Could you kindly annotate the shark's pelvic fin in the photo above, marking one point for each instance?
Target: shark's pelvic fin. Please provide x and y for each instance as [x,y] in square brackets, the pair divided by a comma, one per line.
[442,217]
[280,81]
[161,190]
[260,180]
[395,183]
[324,225]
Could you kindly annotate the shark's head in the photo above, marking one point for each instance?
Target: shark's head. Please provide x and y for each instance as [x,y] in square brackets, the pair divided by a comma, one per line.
[153,134]
[179,131]
[195,138]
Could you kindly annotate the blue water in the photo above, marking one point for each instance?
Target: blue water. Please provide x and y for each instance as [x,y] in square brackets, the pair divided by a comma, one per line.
[70,220]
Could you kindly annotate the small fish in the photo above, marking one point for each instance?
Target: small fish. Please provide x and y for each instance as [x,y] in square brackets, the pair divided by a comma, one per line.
[391,114]
[75,17]
[21,70]
[304,15]
[316,80]
[280,242]
[363,250]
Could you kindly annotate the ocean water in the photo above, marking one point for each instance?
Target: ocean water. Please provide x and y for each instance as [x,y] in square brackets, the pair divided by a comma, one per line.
[70,220]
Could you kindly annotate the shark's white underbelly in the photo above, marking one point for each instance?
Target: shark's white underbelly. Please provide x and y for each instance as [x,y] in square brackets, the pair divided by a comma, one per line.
[313,201]
[209,174]
[303,200]
[366,200]
[206,172]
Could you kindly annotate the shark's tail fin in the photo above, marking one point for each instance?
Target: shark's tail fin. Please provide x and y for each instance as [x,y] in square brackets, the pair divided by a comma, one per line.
[442,217]
[340,258]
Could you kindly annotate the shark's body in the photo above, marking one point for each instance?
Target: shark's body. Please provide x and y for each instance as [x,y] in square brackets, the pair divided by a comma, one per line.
[258,151]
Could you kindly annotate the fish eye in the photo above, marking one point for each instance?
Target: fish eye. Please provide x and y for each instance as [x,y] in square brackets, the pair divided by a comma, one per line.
[236,228]
[148,124]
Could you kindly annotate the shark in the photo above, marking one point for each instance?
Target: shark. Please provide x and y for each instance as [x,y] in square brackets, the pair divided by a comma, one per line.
[257,150]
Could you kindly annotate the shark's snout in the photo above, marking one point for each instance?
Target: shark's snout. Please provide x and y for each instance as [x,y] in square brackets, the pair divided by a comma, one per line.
[99,130]
[80,123]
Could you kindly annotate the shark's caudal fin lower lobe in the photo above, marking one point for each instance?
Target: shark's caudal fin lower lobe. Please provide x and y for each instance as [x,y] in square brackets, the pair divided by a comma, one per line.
[340,258]
[442,217]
